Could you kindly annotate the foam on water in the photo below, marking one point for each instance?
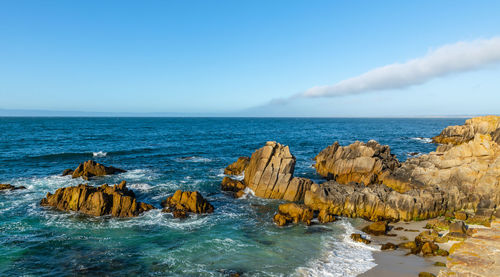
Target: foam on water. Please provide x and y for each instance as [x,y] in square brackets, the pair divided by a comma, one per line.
[99,154]
[423,140]
[195,159]
[343,257]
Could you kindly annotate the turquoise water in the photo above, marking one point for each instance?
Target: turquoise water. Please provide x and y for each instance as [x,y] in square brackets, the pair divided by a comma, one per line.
[161,156]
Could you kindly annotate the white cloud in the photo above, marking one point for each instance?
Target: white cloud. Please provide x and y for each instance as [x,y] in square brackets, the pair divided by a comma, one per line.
[445,60]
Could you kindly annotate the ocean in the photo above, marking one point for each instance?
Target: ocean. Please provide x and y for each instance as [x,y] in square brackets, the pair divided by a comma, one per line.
[163,155]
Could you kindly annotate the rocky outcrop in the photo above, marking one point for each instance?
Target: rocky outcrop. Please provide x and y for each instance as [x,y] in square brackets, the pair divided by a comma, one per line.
[234,186]
[237,167]
[183,202]
[90,169]
[292,212]
[359,162]
[463,133]
[10,187]
[104,200]
[270,174]
[477,256]
[376,228]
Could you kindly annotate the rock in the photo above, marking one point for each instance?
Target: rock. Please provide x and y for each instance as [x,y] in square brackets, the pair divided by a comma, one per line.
[183,202]
[360,238]
[408,245]
[426,274]
[359,162]
[429,248]
[441,252]
[91,168]
[237,167]
[456,236]
[497,213]
[458,227]
[270,174]
[439,264]
[477,256]
[232,185]
[426,236]
[325,217]
[116,201]
[376,228]
[438,224]
[10,187]
[461,215]
[464,133]
[482,217]
[292,212]
[388,246]
[68,171]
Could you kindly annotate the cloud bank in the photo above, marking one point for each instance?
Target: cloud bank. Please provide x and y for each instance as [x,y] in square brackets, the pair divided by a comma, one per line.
[443,61]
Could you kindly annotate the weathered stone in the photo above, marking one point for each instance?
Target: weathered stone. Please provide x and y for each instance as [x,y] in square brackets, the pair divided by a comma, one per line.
[426,274]
[408,245]
[325,217]
[270,174]
[429,248]
[293,213]
[232,185]
[10,187]
[438,224]
[426,236]
[360,238]
[376,228]
[359,162]
[183,202]
[388,246]
[237,167]
[464,133]
[458,227]
[104,200]
[461,215]
[456,236]
[68,171]
[91,168]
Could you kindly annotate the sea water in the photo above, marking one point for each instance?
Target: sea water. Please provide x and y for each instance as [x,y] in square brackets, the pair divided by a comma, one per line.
[162,155]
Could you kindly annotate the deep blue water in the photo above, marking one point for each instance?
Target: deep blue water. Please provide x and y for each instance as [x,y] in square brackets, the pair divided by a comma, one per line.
[161,156]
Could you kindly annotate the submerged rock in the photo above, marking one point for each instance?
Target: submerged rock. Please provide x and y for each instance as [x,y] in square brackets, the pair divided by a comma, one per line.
[91,168]
[183,202]
[10,187]
[292,212]
[104,200]
[359,162]
[237,167]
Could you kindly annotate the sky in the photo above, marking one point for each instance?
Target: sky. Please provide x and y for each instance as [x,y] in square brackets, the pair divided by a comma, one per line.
[251,58]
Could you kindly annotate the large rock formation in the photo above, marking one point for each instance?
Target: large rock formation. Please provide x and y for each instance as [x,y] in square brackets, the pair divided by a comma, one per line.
[104,200]
[270,174]
[183,202]
[90,169]
[464,133]
[359,162]
[237,167]
[10,187]
[292,212]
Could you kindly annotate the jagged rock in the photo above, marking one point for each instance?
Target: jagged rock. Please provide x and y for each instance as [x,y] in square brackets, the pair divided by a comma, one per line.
[360,238]
[388,246]
[270,174]
[91,168]
[68,171]
[183,202]
[376,228]
[325,217]
[292,212]
[10,187]
[464,133]
[438,224]
[237,167]
[461,215]
[104,200]
[429,249]
[235,186]
[359,162]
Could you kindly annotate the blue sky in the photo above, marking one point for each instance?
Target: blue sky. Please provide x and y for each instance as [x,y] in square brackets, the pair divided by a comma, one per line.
[233,57]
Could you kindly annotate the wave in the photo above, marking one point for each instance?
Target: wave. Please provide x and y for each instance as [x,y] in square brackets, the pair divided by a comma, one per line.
[340,258]
[194,159]
[99,154]
[422,140]
[247,191]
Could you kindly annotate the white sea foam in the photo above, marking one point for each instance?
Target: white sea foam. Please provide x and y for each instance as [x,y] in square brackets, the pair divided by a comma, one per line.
[138,175]
[340,258]
[195,159]
[139,186]
[247,191]
[99,154]
[423,140]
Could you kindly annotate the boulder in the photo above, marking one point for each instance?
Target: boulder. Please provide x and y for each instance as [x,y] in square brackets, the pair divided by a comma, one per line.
[91,168]
[232,185]
[388,246]
[464,133]
[270,174]
[325,217]
[10,187]
[429,249]
[359,162]
[426,274]
[293,212]
[67,171]
[458,227]
[376,228]
[360,238]
[438,224]
[116,201]
[237,167]
[461,215]
[183,202]
[408,245]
